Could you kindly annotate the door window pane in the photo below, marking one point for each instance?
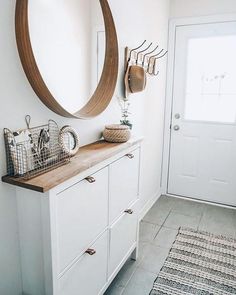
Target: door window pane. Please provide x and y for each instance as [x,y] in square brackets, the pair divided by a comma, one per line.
[210,93]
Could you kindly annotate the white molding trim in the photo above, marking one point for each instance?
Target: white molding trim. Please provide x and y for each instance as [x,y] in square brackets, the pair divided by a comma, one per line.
[173,24]
[201,201]
[205,19]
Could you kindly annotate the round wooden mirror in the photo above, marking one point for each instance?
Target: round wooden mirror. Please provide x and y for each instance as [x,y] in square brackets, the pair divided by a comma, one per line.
[69,55]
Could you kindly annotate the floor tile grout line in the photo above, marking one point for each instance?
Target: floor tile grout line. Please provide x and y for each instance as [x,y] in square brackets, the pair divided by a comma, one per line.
[157,233]
[163,223]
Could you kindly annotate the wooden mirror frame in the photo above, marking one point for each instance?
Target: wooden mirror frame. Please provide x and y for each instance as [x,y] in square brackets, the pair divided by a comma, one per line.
[106,87]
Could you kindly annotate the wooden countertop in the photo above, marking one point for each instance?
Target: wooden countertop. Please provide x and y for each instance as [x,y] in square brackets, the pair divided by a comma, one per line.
[87,157]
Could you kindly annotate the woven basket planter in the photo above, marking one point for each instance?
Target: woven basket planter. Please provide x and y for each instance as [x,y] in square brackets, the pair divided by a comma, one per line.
[116,133]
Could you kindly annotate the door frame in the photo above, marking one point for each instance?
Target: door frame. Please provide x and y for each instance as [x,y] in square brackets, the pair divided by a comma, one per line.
[173,24]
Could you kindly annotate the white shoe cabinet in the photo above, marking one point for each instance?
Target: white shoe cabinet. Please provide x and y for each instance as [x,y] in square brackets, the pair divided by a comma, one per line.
[75,237]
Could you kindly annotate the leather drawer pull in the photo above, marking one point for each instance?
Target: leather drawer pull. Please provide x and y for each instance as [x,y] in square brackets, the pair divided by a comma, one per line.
[90,252]
[90,179]
[129,211]
[130,156]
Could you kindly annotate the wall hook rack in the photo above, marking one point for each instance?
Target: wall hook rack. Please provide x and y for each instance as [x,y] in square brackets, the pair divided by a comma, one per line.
[147,54]
[138,63]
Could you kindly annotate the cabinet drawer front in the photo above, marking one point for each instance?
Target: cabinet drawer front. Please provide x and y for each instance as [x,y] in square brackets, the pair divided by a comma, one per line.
[123,235]
[124,180]
[82,214]
[89,274]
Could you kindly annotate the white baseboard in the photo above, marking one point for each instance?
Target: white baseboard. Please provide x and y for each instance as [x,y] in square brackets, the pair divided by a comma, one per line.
[149,205]
[200,201]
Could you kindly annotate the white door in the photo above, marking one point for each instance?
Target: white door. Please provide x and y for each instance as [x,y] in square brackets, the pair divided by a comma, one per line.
[202,160]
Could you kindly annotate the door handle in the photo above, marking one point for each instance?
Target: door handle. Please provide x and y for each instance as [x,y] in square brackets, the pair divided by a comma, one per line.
[176,128]
[129,211]
[130,156]
[90,179]
[90,252]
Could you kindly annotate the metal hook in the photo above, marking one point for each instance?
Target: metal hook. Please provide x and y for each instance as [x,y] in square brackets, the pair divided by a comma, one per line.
[27,120]
[144,57]
[162,55]
[130,54]
[153,71]
[142,52]
[156,54]
[132,50]
[152,57]
[154,68]
[148,69]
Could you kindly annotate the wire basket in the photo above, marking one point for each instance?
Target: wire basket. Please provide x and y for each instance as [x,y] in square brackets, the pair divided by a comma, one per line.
[33,151]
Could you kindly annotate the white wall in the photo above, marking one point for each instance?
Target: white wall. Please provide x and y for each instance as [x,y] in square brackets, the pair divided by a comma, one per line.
[148,20]
[136,20]
[181,8]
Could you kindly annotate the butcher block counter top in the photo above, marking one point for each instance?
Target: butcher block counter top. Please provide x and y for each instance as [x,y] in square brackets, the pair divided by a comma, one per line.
[87,157]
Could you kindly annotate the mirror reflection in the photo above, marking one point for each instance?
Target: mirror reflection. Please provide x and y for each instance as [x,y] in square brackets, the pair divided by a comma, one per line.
[68,41]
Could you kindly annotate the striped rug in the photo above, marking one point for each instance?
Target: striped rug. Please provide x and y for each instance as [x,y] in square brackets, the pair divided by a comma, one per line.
[198,263]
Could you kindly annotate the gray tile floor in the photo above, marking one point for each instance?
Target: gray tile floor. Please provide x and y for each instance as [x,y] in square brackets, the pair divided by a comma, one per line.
[157,233]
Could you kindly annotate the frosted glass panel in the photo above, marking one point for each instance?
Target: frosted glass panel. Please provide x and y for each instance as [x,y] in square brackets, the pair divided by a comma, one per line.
[211,79]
